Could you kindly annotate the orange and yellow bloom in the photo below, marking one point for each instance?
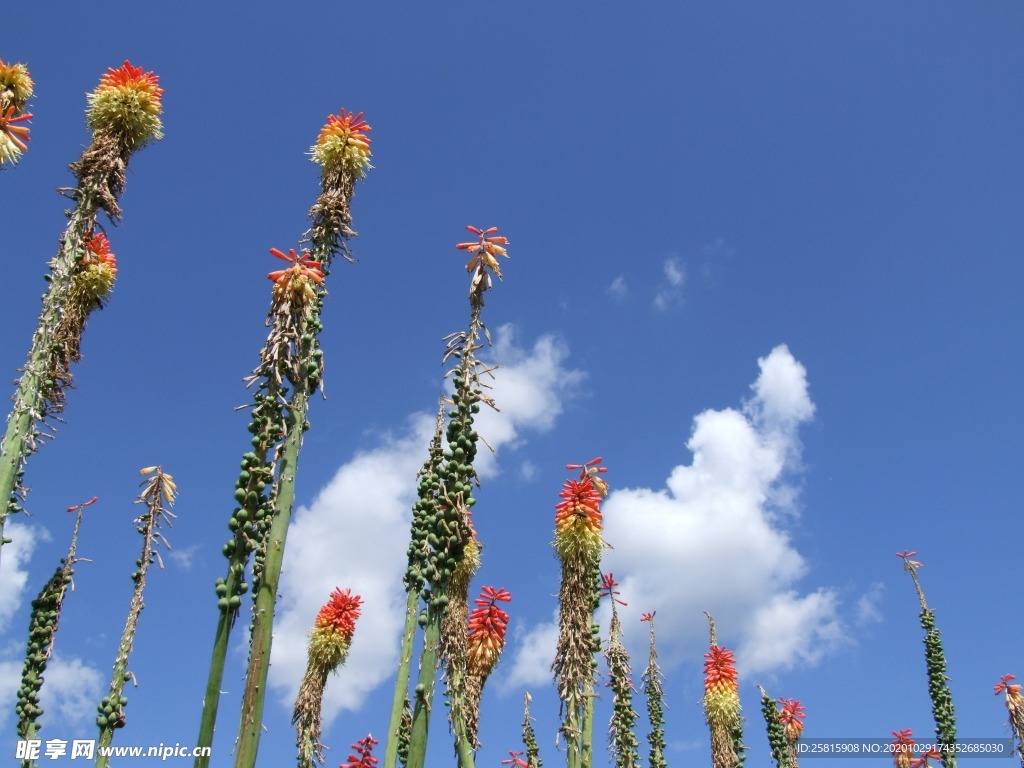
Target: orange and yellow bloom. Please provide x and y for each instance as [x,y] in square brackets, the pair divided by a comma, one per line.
[15,86]
[296,280]
[343,144]
[127,105]
[578,520]
[484,250]
[331,635]
[14,138]
[486,631]
[97,269]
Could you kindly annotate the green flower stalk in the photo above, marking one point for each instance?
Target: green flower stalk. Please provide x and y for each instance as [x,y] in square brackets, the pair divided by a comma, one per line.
[938,682]
[722,704]
[529,737]
[776,731]
[292,354]
[15,91]
[449,537]
[329,641]
[424,511]
[625,747]
[1015,706]
[42,631]
[157,496]
[578,544]
[653,684]
[124,114]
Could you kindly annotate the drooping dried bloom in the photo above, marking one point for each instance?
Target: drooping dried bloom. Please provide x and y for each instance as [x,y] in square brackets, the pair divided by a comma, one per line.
[127,105]
[903,748]
[362,757]
[14,137]
[343,143]
[15,86]
[722,704]
[329,641]
[1015,706]
[935,659]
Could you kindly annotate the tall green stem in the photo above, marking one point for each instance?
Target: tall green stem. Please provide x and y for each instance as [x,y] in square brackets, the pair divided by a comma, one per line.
[398,702]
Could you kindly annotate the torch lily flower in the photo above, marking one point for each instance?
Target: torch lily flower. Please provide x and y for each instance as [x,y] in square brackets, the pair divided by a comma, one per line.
[97,269]
[127,103]
[343,143]
[362,758]
[647,616]
[578,521]
[13,137]
[902,748]
[933,753]
[1015,706]
[332,630]
[608,585]
[15,86]
[792,718]
[908,564]
[484,250]
[1004,686]
[722,705]
[296,279]
[486,631]
[515,760]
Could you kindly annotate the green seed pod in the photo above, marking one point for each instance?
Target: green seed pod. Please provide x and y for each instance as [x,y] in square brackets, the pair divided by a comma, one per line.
[221,590]
[234,601]
[239,495]
[222,604]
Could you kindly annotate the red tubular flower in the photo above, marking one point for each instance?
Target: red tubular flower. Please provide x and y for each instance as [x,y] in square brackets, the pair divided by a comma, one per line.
[907,562]
[484,250]
[16,133]
[1003,686]
[301,266]
[127,76]
[339,614]
[792,718]
[343,143]
[98,251]
[933,753]
[903,746]
[647,616]
[608,588]
[362,757]
[486,631]
[515,760]
[127,104]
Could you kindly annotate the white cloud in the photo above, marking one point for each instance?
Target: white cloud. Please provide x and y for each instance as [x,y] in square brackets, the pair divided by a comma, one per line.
[13,575]
[184,557]
[867,605]
[710,540]
[370,499]
[70,689]
[618,289]
[534,652]
[670,294]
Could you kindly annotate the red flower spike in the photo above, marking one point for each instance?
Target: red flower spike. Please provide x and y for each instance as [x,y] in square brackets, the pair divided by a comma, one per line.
[907,562]
[720,667]
[484,250]
[933,753]
[362,758]
[340,612]
[88,503]
[515,760]
[132,77]
[647,616]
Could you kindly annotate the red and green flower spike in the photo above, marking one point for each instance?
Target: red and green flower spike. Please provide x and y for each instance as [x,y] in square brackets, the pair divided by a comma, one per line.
[791,715]
[486,631]
[935,659]
[1015,706]
[652,682]
[97,269]
[127,105]
[329,641]
[722,704]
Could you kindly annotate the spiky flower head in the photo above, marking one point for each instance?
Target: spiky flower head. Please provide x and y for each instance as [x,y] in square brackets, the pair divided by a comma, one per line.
[792,717]
[483,261]
[721,684]
[15,86]
[902,748]
[343,144]
[98,268]
[127,105]
[296,282]
[14,138]
[331,635]
[486,631]
[578,521]
[362,757]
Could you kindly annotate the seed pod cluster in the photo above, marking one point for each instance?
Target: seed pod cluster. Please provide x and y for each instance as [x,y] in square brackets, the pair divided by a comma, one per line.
[41,630]
[938,689]
[776,731]
[425,510]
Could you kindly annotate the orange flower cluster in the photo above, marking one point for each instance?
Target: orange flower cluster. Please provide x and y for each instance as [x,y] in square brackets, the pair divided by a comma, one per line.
[486,631]
[98,268]
[343,143]
[484,250]
[339,614]
[578,520]
[295,280]
[127,104]
[14,138]
[721,685]
[903,748]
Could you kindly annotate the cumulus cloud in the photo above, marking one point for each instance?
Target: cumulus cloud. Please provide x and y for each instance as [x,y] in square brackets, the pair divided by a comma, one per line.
[370,498]
[712,539]
[14,575]
[670,294]
[71,688]
[867,604]
[618,289]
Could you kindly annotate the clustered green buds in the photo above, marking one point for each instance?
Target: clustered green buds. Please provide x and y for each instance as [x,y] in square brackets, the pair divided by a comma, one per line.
[938,689]
[776,731]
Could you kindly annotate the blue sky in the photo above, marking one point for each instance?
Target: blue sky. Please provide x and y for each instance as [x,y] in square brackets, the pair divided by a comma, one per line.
[765,262]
